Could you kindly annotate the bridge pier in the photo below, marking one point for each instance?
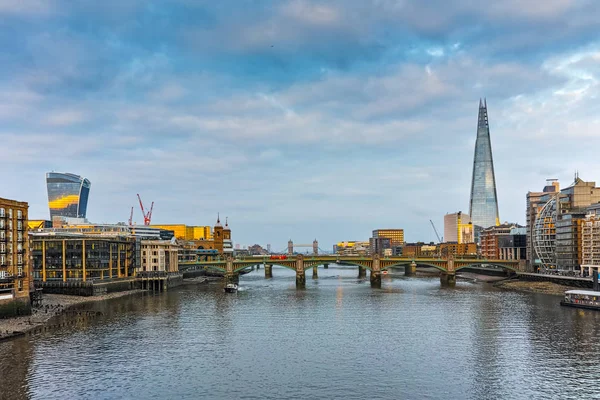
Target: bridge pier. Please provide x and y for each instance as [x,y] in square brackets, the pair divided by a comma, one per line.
[300,273]
[325,266]
[268,271]
[300,279]
[362,272]
[315,274]
[448,279]
[232,278]
[411,269]
[375,272]
[376,279]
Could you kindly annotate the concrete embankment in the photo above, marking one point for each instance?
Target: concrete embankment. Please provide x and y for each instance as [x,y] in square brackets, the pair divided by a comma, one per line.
[52,306]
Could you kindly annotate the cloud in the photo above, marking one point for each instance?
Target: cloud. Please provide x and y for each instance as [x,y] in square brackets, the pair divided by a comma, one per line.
[66,118]
[298,114]
[27,7]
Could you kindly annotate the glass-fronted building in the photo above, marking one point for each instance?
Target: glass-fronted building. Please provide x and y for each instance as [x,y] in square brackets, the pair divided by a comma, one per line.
[483,207]
[67,195]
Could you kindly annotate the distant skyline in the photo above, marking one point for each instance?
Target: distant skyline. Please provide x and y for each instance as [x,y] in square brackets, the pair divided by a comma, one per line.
[296,119]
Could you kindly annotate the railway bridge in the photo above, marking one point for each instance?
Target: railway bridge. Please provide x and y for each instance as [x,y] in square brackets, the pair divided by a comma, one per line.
[375,264]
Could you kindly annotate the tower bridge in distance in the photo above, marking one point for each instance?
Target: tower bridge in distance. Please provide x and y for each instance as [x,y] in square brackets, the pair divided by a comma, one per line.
[375,264]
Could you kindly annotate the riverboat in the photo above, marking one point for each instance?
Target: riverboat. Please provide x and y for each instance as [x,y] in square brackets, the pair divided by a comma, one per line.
[582,299]
[231,288]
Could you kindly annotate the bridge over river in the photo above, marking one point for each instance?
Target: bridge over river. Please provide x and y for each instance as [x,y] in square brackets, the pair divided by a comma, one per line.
[375,264]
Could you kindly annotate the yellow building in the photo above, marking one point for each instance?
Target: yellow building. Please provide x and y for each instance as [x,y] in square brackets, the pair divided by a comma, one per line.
[352,248]
[35,224]
[458,249]
[185,232]
[15,268]
[396,236]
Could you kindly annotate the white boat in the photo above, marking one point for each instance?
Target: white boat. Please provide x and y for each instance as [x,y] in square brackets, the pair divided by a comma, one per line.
[582,299]
[231,288]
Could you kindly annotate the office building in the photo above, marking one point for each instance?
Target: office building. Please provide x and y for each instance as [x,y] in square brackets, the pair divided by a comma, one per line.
[15,267]
[159,256]
[187,232]
[513,245]
[67,195]
[458,228]
[457,249]
[420,249]
[71,257]
[590,241]
[534,204]
[491,237]
[558,224]
[352,248]
[483,208]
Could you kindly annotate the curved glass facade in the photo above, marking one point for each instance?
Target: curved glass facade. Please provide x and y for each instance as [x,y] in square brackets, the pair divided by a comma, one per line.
[67,195]
[484,202]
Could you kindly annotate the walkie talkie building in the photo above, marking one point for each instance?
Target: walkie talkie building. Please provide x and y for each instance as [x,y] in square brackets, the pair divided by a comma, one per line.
[483,207]
[67,195]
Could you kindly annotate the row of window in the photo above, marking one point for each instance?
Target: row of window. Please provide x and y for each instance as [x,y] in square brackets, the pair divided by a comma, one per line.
[4,260]
[9,224]
[9,212]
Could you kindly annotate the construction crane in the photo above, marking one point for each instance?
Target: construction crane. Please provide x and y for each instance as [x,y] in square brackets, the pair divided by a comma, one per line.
[436,232]
[131,217]
[148,215]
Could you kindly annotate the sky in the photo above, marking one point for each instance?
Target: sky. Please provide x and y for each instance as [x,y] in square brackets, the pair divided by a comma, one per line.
[296,119]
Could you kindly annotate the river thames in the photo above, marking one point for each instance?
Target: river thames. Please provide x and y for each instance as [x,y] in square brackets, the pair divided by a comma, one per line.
[338,338]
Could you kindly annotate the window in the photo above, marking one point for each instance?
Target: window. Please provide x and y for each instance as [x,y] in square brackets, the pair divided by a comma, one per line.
[19,214]
[10,213]
[2,212]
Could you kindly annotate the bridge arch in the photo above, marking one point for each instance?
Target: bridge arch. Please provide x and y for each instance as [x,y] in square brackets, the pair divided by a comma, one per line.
[238,269]
[503,266]
[404,263]
[355,263]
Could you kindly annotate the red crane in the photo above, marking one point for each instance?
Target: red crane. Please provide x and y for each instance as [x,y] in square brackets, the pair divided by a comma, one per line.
[148,215]
[131,217]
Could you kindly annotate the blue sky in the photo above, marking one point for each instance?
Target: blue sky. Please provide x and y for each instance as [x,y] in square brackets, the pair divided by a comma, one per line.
[297,119]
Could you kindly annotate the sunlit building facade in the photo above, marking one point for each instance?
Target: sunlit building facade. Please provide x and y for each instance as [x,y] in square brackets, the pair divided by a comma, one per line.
[67,195]
[483,208]
[15,271]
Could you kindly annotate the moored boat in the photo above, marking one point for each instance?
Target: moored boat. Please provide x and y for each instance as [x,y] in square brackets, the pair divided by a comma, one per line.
[231,288]
[588,299]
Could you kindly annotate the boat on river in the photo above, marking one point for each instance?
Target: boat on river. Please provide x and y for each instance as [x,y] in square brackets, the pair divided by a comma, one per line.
[582,299]
[231,288]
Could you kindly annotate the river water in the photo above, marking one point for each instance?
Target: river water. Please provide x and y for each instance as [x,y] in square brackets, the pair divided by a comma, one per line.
[338,338]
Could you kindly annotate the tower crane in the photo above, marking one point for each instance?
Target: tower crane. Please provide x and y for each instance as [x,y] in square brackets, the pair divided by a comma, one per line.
[436,232]
[147,215]
[131,217]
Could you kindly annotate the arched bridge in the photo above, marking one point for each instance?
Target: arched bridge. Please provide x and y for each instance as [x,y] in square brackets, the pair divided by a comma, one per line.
[375,264]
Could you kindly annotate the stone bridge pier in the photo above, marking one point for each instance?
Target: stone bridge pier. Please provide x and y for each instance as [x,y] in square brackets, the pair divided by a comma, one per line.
[411,269]
[449,278]
[375,272]
[362,272]
[268,271]
[230,275]
[300,273]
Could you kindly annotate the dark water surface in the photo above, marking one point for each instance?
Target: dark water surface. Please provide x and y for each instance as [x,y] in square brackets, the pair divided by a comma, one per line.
[337,339]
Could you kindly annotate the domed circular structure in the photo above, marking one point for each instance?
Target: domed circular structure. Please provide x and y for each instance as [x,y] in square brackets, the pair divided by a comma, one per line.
[544,234]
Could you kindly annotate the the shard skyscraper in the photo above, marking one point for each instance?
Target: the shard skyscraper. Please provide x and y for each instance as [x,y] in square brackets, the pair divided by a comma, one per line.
[483,207]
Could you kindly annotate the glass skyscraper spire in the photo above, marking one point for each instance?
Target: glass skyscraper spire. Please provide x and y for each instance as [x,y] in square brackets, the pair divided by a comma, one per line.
[483,207]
